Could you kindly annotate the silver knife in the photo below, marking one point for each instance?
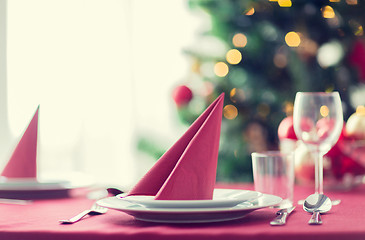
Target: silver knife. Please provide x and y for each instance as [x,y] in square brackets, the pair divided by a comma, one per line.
[281,216]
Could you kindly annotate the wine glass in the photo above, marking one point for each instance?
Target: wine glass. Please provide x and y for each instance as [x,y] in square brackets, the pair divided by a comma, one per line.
[318,122]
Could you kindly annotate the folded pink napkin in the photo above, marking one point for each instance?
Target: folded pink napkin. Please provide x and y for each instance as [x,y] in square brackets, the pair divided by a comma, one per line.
[23,161]
[187,171]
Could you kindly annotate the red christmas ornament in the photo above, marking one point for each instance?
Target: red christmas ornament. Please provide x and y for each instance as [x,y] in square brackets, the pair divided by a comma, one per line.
[357,58]
[182,95]
[344,157]
[286,129]
[324,127]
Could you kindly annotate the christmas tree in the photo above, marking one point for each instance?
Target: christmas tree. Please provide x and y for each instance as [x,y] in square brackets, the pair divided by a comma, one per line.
[260,53]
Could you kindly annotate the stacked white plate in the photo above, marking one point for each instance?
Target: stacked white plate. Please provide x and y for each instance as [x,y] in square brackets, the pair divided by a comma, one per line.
[23,188]
[227,204]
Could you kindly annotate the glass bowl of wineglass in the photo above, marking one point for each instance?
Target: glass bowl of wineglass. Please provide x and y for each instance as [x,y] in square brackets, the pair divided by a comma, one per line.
[318,122]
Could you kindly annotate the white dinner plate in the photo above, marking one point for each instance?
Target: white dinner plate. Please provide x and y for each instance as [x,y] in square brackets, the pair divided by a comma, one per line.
[189,215]
[221,198]
[32,185]
[32,188]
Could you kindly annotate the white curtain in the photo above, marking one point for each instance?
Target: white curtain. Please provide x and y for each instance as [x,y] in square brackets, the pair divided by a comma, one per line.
[100,71]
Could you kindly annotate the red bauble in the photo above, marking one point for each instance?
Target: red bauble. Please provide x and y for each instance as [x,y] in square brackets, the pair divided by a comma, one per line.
[324,127]
[286,129]
[182,95]
[345,157]
[336,150]
[357,58]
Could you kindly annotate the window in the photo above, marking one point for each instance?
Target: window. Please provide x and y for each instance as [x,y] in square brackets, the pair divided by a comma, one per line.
[99,70]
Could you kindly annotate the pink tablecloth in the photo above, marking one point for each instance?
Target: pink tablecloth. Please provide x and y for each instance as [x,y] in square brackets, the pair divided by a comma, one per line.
[39,220]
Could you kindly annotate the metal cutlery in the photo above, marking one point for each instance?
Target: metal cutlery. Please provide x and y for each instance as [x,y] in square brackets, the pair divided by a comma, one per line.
[317,204]
[335,202]
[281,217]
[94,210]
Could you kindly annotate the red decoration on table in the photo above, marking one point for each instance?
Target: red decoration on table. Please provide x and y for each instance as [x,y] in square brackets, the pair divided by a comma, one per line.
[23,162]
[345,158]
[324,126]
[187,171]
[182,95]
[286,129]
[357,58]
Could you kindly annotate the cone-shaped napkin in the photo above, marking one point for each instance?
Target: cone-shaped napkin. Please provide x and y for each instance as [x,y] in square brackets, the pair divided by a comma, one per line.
[23,162]
[187,171]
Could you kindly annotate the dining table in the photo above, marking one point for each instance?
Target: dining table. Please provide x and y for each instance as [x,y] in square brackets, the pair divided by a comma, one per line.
[39,220]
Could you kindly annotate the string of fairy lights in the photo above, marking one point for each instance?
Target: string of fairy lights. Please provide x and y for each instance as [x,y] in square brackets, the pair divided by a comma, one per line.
[325,56]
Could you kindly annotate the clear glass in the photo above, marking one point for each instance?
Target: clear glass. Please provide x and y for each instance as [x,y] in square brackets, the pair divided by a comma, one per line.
[318,122]
[273,173]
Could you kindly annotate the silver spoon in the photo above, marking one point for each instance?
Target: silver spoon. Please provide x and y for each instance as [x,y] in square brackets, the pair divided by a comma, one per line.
[335,202]
[317,204]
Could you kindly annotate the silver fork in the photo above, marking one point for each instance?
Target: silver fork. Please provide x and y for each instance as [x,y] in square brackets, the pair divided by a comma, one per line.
[94,210]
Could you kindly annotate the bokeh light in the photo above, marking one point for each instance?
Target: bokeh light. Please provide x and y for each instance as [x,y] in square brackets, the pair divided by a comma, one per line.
[360,31]
[233,93]
[239,40]
[233,56]
[360,110]
[324,111]
[330,54]
[237,95]
[250,12]
[351,2]
[280,60]
[356,28]
[292,39]
[221,69]
[288,108]
[230,112]
[328,12]
[285,3]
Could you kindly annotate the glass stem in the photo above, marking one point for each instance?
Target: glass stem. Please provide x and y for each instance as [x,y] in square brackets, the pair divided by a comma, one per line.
[318,170]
